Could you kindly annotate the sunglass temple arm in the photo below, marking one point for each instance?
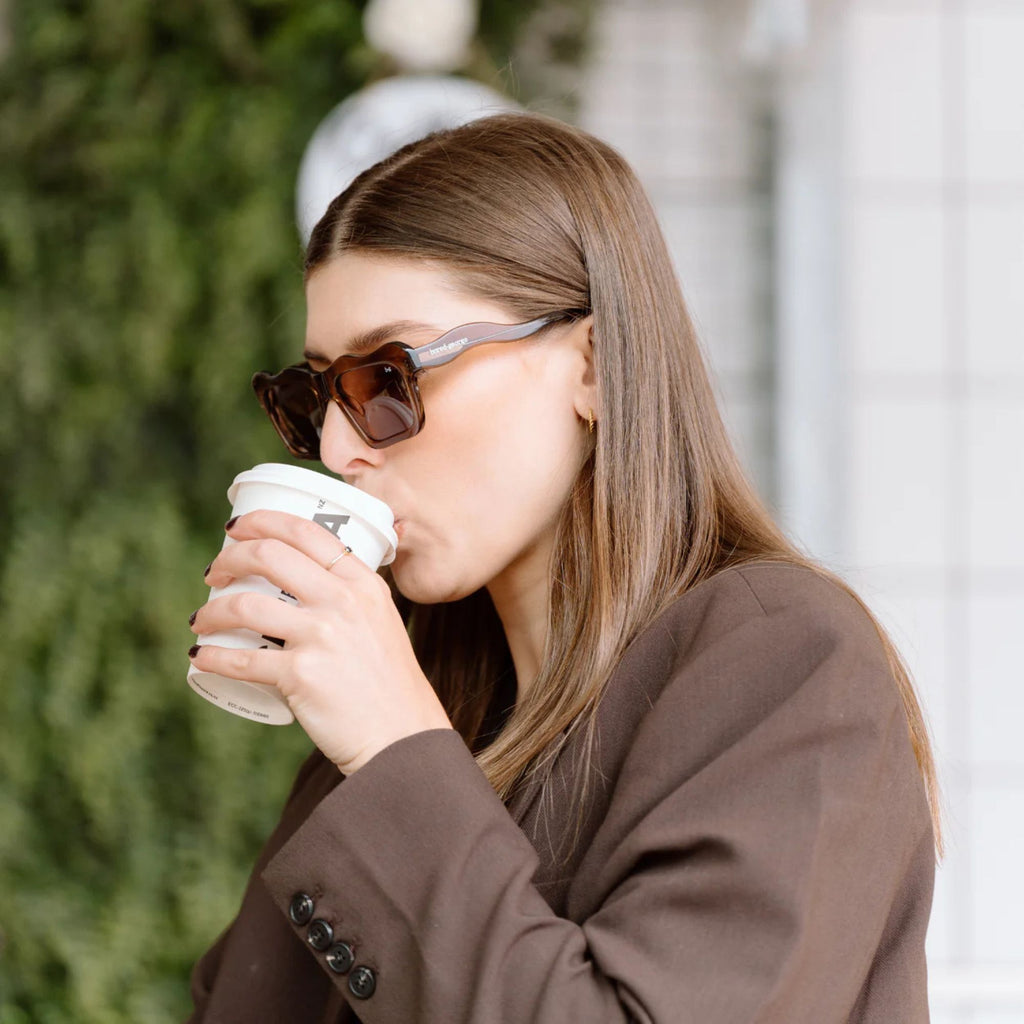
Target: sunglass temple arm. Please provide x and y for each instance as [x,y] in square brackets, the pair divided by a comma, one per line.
[444,349]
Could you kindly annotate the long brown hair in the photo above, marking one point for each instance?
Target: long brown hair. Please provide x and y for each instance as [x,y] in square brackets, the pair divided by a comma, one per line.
[540,217]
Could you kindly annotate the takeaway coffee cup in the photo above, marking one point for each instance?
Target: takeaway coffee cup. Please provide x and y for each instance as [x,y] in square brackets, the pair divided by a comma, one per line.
[364,523]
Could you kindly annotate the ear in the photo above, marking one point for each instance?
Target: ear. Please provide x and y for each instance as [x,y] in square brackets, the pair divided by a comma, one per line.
[585,385]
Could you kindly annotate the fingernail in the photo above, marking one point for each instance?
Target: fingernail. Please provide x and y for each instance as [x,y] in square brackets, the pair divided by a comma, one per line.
[192,617]
[206,571]
[193,650]
[231,522]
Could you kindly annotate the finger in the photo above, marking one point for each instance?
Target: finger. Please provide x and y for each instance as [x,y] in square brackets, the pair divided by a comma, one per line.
[264,665]
[317,542]
[285,567]
[268,616]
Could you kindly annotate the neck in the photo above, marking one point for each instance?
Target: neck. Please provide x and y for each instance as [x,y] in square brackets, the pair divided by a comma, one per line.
[521,595]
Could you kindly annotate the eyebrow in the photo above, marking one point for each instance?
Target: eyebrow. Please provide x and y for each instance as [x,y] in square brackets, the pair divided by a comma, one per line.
[366,342]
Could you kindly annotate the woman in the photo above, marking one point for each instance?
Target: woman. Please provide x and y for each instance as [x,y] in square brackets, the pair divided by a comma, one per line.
[606,747]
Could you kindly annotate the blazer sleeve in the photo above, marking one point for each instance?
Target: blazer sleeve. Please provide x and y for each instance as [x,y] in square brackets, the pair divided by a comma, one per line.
[754,846]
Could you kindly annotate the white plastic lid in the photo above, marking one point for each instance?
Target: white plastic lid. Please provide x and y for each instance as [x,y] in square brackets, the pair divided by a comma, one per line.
[372,511]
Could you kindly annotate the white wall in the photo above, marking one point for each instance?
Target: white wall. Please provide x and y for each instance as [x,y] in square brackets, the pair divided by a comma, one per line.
[932,247]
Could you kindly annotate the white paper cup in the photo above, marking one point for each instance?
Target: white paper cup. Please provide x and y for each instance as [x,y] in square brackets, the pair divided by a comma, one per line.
[362,522]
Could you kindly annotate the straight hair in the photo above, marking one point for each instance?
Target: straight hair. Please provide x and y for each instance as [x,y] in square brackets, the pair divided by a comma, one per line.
[541,217]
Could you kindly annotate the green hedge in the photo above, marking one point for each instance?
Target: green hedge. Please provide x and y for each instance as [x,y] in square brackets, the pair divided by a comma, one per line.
[148,264]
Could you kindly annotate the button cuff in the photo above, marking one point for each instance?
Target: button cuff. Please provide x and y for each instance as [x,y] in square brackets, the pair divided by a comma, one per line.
[301,908]
[340,957]
[362,983]
[320,934]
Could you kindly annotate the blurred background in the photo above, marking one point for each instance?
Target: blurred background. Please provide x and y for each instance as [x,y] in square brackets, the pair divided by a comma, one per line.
[842,186]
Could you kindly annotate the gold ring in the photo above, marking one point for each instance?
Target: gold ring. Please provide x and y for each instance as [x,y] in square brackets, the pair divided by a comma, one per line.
[346,550]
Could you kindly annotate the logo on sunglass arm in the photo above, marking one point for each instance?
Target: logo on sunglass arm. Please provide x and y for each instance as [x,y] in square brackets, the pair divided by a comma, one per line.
[448,346]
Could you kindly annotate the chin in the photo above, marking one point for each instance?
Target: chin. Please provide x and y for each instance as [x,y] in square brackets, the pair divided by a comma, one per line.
[420,584]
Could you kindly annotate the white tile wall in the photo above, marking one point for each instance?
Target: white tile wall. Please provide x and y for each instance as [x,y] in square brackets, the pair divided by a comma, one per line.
[893,98]
[994,42]
[989,1015]
[934,300]
[941,941]
[895,287]
[995,640]
[660,91]
[997,861]
[899,475]
[994,483]
[715,243]
[905,6]
[994,292]
[948,1017]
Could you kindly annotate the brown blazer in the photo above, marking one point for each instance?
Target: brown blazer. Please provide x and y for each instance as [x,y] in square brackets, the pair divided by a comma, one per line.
[756,848]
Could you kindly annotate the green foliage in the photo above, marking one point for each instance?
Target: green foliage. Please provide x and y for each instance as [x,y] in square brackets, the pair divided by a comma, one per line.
[148,264]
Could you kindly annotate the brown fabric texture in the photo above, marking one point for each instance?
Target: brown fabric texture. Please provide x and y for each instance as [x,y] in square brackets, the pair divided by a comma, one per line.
[755,847]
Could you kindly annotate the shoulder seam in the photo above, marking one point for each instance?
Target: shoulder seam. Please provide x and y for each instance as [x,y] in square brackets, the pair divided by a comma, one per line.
[739,572]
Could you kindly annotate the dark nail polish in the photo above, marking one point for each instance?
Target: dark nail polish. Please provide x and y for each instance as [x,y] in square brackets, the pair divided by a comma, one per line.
[231,522]
[206,571]
[193,650]
[192,617]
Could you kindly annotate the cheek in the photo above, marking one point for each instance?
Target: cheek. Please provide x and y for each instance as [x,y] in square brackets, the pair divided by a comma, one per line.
[492,469]
[460,546]
[457,510]
[513,463]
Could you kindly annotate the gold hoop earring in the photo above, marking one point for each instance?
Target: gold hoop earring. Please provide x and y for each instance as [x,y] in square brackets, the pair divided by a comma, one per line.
[590,421]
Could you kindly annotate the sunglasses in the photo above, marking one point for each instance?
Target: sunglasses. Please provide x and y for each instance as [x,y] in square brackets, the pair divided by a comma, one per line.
[378,392]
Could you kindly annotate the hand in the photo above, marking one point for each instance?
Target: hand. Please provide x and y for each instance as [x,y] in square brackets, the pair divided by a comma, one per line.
[347,670]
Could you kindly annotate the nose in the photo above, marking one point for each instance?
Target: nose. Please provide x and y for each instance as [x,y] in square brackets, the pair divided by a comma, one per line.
[342,450]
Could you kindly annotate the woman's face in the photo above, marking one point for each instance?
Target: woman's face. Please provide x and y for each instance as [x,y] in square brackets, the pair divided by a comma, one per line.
[478,491]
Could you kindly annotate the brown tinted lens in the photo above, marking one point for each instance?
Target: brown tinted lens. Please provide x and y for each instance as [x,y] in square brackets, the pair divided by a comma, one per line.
[293,405]
[379,399]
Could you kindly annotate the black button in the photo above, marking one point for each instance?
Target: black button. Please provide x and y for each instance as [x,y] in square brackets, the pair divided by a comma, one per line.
[362,982]
[320,934]
[340,957]
[301,909]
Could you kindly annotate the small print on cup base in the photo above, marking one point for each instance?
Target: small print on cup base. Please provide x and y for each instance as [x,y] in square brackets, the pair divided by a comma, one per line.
[255,701]
[364,523]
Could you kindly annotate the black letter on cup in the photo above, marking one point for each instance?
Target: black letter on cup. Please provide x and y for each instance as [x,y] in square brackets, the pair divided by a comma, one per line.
[330,521]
